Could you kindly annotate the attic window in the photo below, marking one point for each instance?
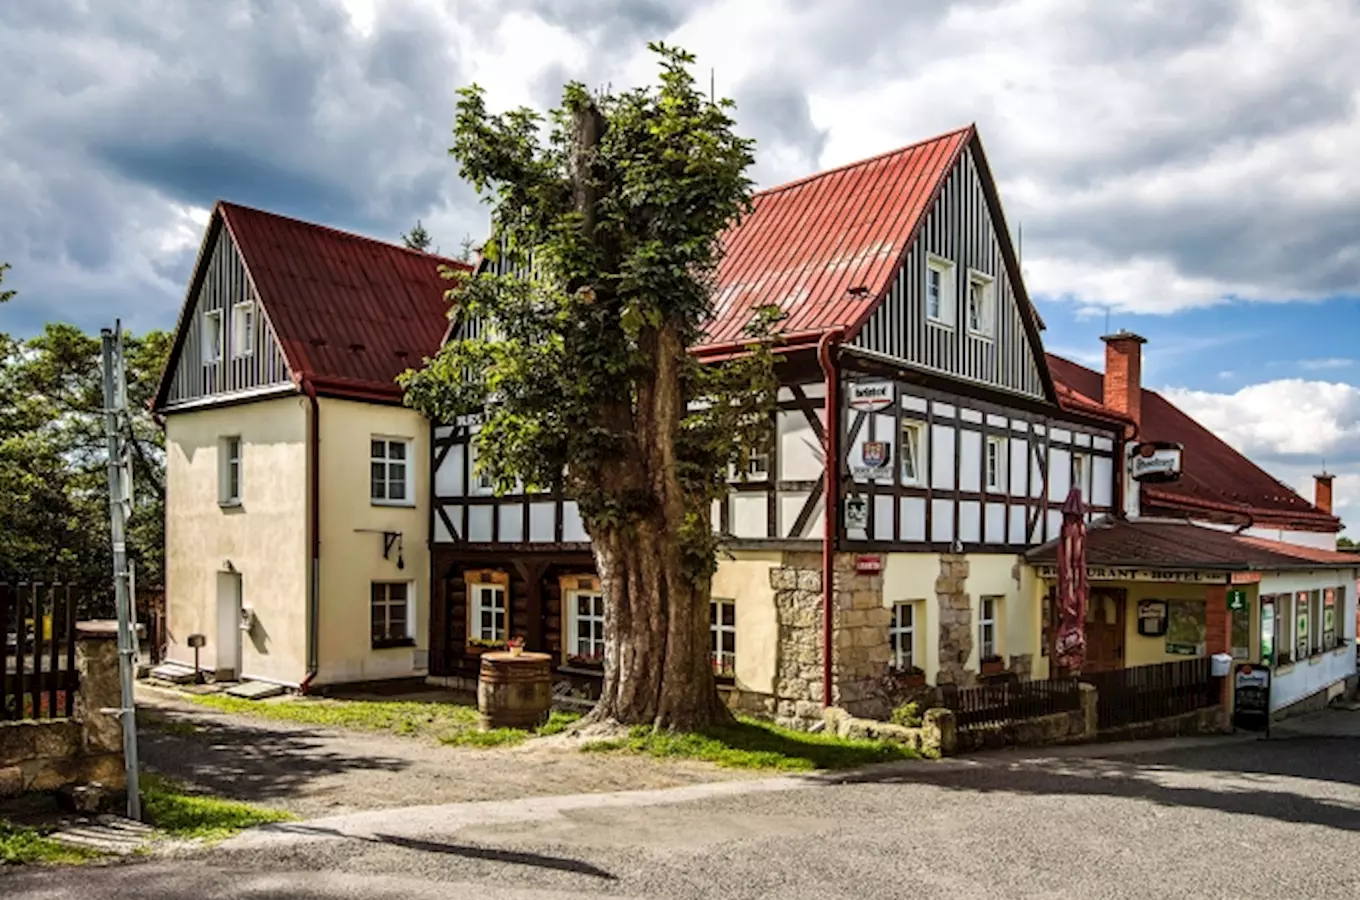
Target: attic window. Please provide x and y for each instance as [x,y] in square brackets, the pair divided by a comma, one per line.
[212,337]
[981,305]
[243,329]
[938,291]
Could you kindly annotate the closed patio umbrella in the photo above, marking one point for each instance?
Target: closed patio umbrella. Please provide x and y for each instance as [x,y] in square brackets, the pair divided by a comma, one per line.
[1070,650]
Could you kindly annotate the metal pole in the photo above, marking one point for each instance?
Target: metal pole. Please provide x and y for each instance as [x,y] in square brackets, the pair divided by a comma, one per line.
[115,410]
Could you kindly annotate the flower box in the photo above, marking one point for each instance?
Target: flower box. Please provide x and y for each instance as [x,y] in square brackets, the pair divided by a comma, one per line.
[993,665]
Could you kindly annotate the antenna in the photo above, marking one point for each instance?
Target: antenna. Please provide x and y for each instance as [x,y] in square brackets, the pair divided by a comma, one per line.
[712,86]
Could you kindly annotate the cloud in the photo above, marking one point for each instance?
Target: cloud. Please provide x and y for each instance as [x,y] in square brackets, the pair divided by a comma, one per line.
[1330,362]
[1289,427]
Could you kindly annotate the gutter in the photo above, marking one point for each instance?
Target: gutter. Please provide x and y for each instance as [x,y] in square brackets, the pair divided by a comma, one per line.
[831,505]
[782,343]
[314,534]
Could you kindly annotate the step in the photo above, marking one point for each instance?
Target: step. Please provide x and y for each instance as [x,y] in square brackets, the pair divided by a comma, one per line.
[254,690]
[175,673]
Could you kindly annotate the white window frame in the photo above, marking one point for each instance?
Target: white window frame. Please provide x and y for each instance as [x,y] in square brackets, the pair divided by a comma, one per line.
[948,294]
[757,464]
[717,630]
[1081,474]
[571,645]
[387,461]
[212,337]
[902,635]
[243,329]
[911,450]
[989,620]
[986,326]
[478,592]
[229,465]
[410,609]
[482,484]
[994,464]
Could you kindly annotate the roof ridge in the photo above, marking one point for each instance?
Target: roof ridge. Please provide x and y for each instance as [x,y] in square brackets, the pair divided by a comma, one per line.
[862,162]
[353,235]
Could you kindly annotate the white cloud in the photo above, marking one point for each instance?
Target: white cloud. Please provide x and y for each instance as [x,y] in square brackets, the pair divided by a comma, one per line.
[1290,427]
[1329,362]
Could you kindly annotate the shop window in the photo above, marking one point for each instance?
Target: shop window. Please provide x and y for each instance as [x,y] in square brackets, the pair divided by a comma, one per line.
[723,628]
[902,634]
[390,613]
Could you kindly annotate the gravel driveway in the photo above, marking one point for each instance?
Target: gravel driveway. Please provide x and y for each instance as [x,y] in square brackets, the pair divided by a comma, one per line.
[315,771]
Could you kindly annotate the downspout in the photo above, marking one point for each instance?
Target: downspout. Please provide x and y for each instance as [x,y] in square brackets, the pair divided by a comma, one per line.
[831,507]
[314,530]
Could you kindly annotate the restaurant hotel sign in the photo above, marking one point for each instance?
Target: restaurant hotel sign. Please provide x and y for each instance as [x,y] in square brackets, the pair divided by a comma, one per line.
[1155,461]
[1109,573]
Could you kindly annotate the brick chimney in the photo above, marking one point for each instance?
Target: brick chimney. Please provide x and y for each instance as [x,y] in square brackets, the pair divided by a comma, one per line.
[1124,373]
[1322,492]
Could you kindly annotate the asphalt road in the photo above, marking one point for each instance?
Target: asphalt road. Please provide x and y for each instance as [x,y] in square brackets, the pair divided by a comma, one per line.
[1202,819]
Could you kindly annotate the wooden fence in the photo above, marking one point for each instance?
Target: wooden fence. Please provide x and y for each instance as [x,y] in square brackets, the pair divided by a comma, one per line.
[997,705]
[1145,693]
[38,623]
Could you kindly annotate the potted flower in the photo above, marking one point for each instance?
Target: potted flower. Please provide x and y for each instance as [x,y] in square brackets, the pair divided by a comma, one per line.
[515,645]
[582,661]
[911,676]
[993,665]
[478,646]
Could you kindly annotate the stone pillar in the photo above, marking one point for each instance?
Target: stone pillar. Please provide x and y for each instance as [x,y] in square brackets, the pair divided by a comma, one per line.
[797,588]
[956,621]
[97,663]
[940,731]
[1090,711]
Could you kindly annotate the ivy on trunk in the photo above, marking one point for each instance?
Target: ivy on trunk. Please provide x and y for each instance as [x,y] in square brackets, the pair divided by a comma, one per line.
[579,372]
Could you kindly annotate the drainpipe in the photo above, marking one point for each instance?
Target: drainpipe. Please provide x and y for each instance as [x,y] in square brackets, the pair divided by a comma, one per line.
[833,470]
[314,530]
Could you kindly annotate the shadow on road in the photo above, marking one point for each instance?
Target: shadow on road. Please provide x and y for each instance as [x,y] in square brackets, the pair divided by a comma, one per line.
[1245,773]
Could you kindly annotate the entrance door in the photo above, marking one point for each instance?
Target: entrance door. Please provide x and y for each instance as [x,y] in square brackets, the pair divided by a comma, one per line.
[228,625]
[1105,630]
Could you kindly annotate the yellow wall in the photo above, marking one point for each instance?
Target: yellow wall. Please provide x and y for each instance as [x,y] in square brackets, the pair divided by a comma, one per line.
[265,538]
[998,575]
[911,577]
[352,559]
[746,579]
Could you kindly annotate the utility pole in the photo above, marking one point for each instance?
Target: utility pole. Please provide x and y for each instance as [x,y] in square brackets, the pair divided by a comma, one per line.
[117,426]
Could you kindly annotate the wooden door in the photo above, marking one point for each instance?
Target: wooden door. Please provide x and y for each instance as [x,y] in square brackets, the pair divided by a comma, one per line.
[1105,629]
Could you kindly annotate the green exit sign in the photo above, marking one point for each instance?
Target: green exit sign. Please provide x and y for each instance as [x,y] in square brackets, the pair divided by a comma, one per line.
[1237,601]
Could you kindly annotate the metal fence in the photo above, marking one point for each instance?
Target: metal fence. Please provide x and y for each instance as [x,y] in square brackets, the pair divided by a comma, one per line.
[1144,693]
[998,705]
[38,623]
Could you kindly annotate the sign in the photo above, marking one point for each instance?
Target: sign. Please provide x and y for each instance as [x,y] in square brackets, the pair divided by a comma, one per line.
[1237,601]
[856,513]
[1105,573]
[1245,578]
[871,396]
[1176,648]
[1251,698]
[874,457]
[1152,618]
[1155,461]
[868,564]
[1267,632]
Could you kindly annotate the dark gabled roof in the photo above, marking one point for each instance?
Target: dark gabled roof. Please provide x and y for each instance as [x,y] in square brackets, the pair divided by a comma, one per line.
[350,313]
[1216,482]
[1182,545]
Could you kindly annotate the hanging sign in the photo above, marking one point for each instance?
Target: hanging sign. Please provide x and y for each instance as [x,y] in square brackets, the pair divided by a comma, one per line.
[1251,698]
[1152,618]
[856,513]
[871,396]
[1155,461]
[874,460]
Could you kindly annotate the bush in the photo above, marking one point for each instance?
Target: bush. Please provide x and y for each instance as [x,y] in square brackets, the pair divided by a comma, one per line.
[908,715]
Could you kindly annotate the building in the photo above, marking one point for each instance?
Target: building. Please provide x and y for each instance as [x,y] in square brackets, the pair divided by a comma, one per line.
[296,500]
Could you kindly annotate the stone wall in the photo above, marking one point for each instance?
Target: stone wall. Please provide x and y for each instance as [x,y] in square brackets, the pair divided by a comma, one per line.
[956,621]
[44,755]
[797,588]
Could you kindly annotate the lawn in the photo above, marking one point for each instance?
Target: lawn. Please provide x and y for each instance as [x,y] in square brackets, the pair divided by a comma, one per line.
[179,812]
[449,723]
[20,845]
[753,744]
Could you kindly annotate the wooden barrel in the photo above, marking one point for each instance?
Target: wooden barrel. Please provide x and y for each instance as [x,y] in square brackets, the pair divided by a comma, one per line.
[514,691]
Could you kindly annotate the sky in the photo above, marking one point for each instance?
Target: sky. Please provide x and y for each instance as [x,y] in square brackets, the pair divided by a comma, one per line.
[1184,169]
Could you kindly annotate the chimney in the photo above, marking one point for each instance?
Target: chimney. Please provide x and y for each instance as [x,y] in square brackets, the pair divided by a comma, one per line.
[1124,373]
[1322,492]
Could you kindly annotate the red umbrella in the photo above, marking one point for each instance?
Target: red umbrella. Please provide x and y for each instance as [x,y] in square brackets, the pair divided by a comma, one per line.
[1070,651]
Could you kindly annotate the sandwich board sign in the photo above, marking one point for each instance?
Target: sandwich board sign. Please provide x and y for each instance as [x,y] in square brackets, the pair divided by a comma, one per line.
[1251,698]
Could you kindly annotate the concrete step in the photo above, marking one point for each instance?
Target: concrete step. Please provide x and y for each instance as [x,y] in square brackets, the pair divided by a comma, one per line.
[110,834]
[254,690]
[173,673]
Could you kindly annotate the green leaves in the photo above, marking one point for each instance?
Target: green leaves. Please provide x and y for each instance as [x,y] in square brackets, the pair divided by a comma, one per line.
[5,296]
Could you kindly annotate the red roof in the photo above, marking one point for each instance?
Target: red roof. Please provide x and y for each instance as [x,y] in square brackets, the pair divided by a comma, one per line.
[1216,481]
[1125,544]
[350,313]
[808,243]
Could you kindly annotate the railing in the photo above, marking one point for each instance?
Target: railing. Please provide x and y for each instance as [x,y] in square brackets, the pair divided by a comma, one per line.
[998,705]
[1144,693]
[38,624]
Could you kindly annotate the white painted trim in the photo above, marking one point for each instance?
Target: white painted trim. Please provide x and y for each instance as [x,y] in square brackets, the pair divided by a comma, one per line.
[255,393]
[949,299]
[408,461]
[988,315]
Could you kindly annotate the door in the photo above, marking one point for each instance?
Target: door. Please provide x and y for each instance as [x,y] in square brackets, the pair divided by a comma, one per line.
[228,625]
[1105,629]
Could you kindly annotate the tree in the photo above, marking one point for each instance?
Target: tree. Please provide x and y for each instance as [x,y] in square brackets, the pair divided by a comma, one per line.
[1345,543]
[417,238]
[613,221]
[5,296]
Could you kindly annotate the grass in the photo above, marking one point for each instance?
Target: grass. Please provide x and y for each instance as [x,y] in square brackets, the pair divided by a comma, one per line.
[450,723]
[753,744]
[20,845]
[157,722]
[179,812]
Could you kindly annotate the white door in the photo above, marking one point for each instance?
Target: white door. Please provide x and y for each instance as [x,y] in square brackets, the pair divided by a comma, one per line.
[228,625]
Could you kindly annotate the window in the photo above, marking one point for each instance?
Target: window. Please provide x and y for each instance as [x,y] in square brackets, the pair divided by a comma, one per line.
[1315,626]
[585,615]
[1329,607]
[996,464]
[1080,472]
[723,626]
[911,452]
[902,634]
[939,291]
[390,470]
[981,308]
[487,602]
[229,487]
[243,329]
[212,337]
[1301,619]
[390,613]
[987,645]
[757,463]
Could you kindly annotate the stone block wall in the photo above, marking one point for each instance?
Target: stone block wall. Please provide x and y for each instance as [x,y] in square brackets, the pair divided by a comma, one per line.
[956,621]
[43,755]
